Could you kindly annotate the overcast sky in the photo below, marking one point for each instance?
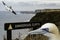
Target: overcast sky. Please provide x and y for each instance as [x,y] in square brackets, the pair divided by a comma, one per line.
[16,4]
[56,1]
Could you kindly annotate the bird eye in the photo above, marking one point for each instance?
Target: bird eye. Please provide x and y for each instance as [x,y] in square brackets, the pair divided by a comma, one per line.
[46,29]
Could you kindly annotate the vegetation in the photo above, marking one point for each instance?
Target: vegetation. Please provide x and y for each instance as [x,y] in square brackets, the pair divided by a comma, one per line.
[36,37]
[45,17]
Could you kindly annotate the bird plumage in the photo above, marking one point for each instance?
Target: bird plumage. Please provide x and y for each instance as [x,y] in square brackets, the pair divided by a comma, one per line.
[49,29]
[9,8]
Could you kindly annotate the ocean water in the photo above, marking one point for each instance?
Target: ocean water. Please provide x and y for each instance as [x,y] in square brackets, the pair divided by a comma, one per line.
[8,17]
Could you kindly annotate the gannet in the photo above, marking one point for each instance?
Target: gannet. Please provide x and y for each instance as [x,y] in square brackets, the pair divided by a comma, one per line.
[49,29]
[9,8]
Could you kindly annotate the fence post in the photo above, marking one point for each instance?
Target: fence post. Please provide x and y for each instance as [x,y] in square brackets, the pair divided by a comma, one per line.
[9,34]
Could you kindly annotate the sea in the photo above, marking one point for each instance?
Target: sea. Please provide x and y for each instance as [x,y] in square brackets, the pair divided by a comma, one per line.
[8,17]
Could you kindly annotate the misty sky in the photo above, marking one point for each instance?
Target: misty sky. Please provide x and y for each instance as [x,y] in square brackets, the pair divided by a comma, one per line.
[31,0]
[19,5]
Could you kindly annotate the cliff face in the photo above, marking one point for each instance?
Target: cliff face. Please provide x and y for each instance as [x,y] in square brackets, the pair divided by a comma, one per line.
[52,16]
[44,17]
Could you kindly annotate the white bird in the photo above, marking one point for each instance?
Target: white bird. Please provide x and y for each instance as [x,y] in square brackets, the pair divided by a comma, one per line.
[49,29]
[9,8]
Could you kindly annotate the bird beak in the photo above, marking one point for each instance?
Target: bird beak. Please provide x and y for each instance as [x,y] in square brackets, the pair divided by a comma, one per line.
[38,31]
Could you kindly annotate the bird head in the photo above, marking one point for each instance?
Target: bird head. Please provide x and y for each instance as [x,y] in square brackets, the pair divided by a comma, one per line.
[48,29]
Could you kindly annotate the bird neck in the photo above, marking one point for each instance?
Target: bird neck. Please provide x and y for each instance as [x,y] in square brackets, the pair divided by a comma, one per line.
[55,37]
